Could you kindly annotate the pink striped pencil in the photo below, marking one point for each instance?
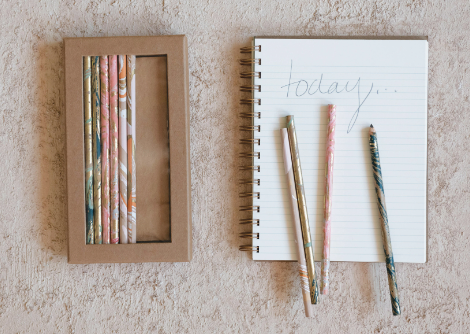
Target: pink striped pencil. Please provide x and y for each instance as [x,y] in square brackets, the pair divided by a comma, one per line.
[114,156]
[330,156]
[105,180]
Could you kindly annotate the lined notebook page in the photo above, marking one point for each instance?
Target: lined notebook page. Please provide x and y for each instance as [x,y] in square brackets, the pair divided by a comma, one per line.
[383,82]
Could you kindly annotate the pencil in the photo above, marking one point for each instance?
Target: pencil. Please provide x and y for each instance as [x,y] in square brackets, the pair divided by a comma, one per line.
[95,89]
[330,158]
[302,204]
[105,180]
[387,243]
[296,223]
[88,110]
[123,238]
[113,148]
[131,132]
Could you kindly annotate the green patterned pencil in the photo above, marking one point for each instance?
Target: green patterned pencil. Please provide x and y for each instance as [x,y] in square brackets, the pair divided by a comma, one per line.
[387,242]
[90,239]
[95,89]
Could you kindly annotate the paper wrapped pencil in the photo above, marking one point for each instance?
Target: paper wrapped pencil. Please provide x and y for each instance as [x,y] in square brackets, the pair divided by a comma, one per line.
[302,204]
[105,180]
[387,242]
[122,63]
[296,223]
[131,170]
[330,157]
[90,238]
[95,91]
[113,148]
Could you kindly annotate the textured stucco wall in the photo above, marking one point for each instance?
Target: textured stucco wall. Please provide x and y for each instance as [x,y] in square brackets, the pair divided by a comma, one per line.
[222,289]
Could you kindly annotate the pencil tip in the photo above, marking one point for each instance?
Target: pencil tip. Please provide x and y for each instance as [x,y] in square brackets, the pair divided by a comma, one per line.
[371,126]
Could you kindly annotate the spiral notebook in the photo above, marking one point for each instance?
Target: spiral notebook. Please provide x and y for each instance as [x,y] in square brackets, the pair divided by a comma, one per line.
[383,82]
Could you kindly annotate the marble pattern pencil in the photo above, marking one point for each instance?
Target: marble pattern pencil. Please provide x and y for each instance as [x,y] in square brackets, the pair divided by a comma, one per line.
[122,63]
[113,148]
[330,157]
[131,170]
[88,111]
[302,203]
[95,89]
[105,180]
[303,272]
[387,243]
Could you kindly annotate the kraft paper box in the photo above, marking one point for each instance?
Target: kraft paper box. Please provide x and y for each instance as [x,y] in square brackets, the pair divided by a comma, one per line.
[163,190]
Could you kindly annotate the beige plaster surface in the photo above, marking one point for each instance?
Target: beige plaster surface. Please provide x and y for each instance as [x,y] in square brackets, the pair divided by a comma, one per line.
[222,290]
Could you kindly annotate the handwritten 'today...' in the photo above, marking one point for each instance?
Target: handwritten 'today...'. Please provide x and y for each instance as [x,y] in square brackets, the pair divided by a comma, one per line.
[303,87]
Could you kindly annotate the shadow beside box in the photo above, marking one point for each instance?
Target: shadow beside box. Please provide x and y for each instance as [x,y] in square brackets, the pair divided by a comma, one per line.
[163,189]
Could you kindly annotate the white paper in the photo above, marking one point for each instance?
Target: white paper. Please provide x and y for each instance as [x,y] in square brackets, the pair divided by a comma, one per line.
[379,82]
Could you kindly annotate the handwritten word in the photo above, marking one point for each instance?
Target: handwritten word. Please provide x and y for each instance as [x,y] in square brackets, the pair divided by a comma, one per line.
[303,87]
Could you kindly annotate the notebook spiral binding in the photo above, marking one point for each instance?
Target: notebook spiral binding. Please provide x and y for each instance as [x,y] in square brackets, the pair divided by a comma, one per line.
[250,142]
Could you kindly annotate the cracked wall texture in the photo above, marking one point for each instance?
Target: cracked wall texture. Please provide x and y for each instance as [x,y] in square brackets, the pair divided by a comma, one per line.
[221,289]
